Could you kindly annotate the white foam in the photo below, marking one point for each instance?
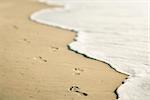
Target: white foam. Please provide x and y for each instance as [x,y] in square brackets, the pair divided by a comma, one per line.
[114,31]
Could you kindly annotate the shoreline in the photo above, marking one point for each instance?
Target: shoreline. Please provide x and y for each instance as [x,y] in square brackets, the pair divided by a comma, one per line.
[84,55]
[46,50]
[69,48]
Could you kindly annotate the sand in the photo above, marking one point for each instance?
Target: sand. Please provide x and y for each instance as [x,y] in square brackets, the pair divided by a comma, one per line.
[35,63]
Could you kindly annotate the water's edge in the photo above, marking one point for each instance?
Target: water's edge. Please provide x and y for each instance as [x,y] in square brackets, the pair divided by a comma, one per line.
[69,48]
[123,82]
[84,55]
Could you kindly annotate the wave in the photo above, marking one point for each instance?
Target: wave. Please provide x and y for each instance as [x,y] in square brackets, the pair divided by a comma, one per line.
[113,32]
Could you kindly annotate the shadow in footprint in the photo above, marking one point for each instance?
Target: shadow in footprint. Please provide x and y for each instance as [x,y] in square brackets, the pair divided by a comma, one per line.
[77,90]
[78,71]
[53,48]
[40,58]
[15,27]
[26,40]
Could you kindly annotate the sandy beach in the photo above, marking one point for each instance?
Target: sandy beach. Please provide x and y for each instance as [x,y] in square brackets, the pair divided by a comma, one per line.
[35,63]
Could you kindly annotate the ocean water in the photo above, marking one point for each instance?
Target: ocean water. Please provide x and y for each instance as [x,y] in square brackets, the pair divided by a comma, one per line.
[114,31]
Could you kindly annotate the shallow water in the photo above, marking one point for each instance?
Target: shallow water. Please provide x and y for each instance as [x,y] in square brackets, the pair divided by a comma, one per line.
[114,31]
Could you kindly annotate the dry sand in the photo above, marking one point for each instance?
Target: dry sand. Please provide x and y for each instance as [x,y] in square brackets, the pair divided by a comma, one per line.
[35,63]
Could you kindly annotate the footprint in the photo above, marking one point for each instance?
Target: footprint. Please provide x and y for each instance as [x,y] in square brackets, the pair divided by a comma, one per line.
[53,48]
[77,90]
[16,27]
[78,71]
[40,58]
[26,40]
[21,73]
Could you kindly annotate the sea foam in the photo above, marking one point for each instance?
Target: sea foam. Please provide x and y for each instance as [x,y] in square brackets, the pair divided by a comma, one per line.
[114,31]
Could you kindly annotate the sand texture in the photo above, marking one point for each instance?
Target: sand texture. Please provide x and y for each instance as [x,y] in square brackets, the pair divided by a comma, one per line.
[35,63]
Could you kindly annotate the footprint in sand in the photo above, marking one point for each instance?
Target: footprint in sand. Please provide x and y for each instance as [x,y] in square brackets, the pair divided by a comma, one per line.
[15,27]
[53,48]
[40,58]
[78,71]
[26,40]
[77,90]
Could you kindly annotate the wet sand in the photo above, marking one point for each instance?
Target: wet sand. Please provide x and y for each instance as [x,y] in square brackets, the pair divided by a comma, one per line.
[35,63]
